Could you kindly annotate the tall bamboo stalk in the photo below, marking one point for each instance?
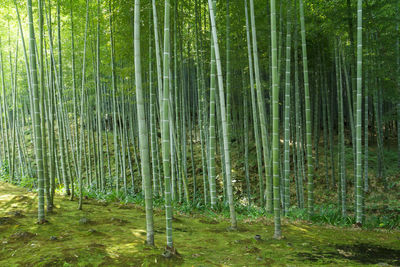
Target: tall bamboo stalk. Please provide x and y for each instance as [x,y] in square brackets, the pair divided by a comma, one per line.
[223,117]
[256,127]
[262,113]
[287,113]
[275,124]
[143,134]
[165,133]
[310,167]
[37,117]
[359,181]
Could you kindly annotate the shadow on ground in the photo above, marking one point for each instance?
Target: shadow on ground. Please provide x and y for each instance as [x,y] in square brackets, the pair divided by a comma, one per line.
[114,235]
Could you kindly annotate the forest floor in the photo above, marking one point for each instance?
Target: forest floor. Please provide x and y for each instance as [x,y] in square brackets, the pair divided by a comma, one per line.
[113,234]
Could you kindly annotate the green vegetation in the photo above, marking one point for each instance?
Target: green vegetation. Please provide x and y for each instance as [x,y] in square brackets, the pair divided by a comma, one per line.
[382,206]
[252,126]
[117,237]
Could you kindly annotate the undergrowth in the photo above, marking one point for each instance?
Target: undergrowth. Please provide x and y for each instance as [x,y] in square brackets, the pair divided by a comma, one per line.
[326,212]
[113,234]
[323,213]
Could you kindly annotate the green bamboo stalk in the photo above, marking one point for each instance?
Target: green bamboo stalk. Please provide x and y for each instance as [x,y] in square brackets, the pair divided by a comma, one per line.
[341,162]
[246,139]
[175,181]
[254,110]
[310,167]
[42,107]
[152,115]
[262,114]
[275,124]
[37,122]
[366,128]
[51,112]
[201,104]
[212,134]
[351,111]
[13,82]
[287,113]
[5,111]
[298,120]
[98,106]
[223,117]
[228,73]
[83,91]
[158,57]
[317,108]
[165,133]
[114,108]
[75,105]
[329,115]
[143,134]
[59,87]
[359,185]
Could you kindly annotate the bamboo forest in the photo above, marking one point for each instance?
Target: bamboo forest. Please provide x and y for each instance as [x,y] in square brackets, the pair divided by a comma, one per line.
[200,133]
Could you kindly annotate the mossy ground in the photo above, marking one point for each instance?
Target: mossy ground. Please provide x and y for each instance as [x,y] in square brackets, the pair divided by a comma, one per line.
[113,234]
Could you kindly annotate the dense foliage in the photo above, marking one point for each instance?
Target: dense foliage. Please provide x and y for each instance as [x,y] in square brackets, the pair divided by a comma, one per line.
[251,108]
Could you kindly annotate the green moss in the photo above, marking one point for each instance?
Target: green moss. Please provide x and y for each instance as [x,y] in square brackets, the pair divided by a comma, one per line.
[115,236]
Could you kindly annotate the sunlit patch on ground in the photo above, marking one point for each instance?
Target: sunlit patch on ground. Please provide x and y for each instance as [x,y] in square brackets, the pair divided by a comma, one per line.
[116,237]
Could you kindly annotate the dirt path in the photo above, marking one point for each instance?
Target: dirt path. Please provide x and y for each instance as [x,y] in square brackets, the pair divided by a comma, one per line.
[112,234]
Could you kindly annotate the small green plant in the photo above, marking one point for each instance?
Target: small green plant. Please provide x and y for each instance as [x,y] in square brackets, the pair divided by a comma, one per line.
[28,182]
[4,171]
